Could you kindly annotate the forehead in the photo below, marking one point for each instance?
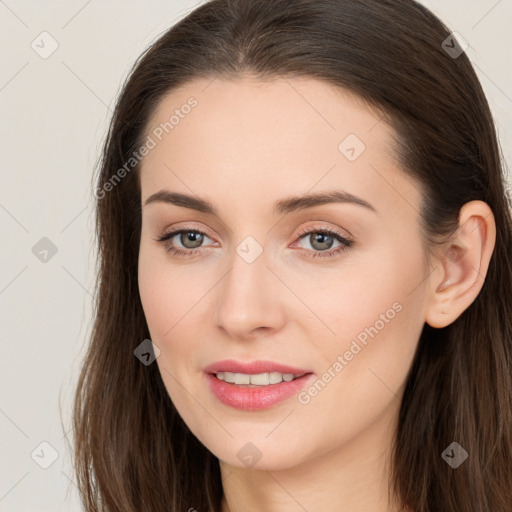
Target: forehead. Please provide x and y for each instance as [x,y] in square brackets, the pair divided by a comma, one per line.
[254,137]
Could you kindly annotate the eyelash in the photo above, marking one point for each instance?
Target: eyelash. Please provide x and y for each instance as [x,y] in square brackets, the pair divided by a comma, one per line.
[345,243]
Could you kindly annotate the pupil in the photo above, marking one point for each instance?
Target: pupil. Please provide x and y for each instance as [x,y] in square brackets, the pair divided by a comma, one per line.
[321,238]
[191,236]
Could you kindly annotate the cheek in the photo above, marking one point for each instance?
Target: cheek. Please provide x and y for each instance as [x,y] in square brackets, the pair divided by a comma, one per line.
[364,290]
[152,287]
[365,365]
[168,292]
[375,310]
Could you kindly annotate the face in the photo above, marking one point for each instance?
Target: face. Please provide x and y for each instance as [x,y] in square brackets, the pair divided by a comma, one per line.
[333,288]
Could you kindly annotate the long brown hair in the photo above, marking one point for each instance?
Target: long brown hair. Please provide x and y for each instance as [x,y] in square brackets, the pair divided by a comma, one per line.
[132,451]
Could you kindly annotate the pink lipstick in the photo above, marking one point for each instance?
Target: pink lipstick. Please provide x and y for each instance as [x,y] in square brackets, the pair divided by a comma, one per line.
[274,383]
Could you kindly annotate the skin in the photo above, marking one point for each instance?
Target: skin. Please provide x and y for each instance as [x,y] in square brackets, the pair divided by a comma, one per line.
[247,144]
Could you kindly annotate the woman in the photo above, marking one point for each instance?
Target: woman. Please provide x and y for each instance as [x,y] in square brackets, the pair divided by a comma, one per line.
[305,283]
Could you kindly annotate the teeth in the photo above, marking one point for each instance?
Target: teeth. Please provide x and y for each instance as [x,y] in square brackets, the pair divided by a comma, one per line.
[261,379]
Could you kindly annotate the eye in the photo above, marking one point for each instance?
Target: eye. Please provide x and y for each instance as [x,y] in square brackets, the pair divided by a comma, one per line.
[189,242]
[322,239]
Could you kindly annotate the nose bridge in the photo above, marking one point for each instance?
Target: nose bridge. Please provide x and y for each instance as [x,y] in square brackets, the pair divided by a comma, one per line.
[246,298]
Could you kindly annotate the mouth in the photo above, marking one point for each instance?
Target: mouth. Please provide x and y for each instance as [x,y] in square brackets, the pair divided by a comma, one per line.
[258,391]
[257,380]
[256,369]
[255,385]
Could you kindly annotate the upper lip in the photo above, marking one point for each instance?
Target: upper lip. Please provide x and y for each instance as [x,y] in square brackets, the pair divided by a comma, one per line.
[253,368]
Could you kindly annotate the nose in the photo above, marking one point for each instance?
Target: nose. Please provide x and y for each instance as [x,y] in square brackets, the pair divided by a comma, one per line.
[250,298]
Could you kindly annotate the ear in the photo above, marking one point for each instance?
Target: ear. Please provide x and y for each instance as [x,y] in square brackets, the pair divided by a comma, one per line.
[460,265]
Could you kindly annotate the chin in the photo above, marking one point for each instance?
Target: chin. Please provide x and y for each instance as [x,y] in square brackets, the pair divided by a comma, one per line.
[257,455]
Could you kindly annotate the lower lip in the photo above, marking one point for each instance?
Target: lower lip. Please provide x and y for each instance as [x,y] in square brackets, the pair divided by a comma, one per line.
[257,398]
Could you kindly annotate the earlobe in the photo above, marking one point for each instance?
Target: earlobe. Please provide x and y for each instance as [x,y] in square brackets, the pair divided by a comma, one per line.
[461,265]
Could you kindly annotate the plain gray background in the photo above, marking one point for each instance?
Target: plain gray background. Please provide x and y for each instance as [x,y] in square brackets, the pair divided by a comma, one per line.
[55,113]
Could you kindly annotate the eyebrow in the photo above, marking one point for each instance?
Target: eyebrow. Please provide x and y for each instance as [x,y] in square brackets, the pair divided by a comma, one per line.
[283,206]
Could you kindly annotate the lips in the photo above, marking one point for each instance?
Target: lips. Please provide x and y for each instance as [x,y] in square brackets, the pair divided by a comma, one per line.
[256,398]
[253,368]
